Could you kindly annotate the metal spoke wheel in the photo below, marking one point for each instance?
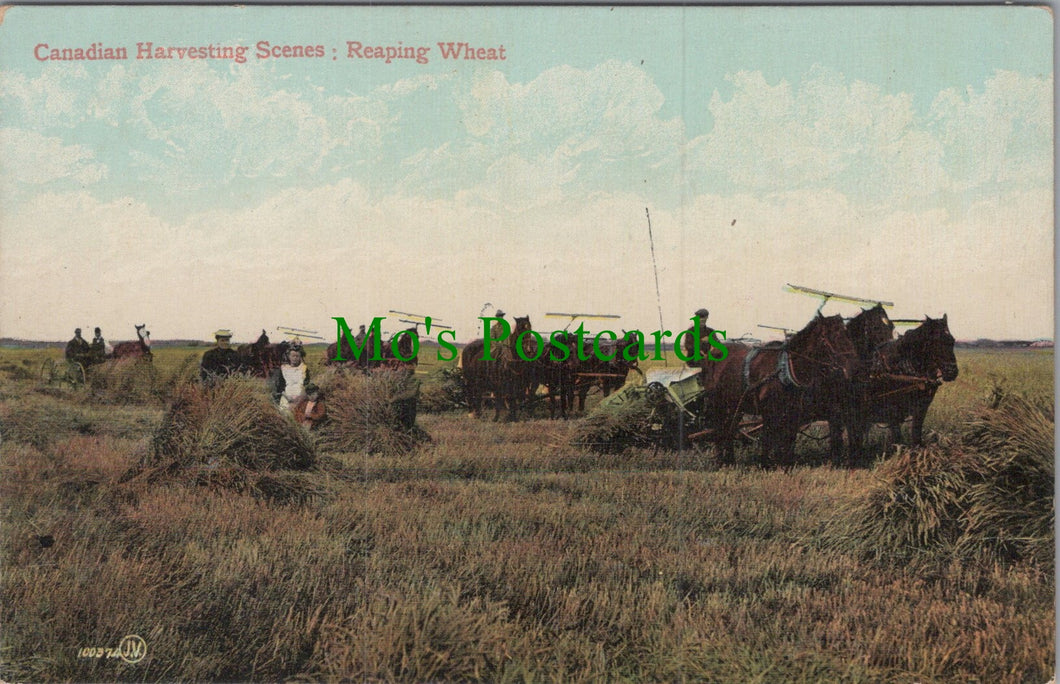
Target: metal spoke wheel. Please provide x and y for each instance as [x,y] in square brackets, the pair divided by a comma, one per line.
[75,374]
[48,372]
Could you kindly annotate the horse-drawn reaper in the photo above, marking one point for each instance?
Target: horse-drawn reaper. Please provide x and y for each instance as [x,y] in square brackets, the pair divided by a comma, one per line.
[261,357]
[570,366]
[502,371]
[366,350]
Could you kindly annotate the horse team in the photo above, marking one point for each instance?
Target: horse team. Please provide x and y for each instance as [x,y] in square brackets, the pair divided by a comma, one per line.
[512,380]
[851,374]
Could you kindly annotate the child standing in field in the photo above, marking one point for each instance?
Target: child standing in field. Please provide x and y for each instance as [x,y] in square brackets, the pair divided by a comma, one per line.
[310,410]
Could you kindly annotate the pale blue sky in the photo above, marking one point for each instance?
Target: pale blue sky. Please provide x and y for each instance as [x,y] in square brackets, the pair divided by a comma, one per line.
[903,153]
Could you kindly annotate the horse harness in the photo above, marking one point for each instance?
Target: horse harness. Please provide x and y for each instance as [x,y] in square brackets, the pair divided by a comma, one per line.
[902,371]
[784,371]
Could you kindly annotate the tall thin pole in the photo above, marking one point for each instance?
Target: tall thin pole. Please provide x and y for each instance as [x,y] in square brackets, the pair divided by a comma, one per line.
[655,268]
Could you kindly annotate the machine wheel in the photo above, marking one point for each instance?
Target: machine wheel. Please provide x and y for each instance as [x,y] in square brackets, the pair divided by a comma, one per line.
[75,374]
[48,374]
[656,391]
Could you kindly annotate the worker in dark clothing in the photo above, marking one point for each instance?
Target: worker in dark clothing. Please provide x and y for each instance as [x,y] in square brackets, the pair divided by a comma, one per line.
[221,361]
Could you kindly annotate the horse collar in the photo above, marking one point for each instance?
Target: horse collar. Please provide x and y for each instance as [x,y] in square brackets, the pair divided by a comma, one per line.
[785,371]
[747,366]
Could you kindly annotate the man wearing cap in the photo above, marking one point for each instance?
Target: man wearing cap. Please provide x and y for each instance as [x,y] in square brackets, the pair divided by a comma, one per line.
[77,349]
[98,348]
[221,361]
[699,329]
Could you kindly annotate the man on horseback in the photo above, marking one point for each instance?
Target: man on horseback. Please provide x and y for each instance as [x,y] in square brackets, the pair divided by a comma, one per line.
[221,361]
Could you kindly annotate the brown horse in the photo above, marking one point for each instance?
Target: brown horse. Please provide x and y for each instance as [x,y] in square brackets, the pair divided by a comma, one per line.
[140,348]
[259,358]
[556,370]
[786,384]
[868,331]
[402,358]
[904,377]
[350,357]
[505,374]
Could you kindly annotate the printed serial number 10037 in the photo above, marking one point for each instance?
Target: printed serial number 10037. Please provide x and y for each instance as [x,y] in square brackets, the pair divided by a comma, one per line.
[99,652]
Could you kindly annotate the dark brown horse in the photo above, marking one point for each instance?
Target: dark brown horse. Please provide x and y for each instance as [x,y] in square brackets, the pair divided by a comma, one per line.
[350,357]
[786,384]
[904,377]
[556,370]
[139,348]
[402,358]
[868,331]
[259,358]
[505,374]
[400,352]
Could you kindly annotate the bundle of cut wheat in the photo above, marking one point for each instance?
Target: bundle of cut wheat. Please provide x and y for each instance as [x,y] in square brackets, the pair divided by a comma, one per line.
[231,423]
[375,413]
[989,496]
[630,419]
[125,381]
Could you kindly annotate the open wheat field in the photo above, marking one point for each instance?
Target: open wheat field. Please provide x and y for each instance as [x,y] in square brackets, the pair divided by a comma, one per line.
[499,552]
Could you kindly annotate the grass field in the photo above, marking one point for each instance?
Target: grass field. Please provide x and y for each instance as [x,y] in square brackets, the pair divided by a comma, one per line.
[493,552]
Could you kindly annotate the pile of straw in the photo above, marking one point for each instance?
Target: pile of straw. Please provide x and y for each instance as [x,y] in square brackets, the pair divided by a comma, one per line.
[989,496]
[230,424]
[630,419]
[124,381]
[375,413]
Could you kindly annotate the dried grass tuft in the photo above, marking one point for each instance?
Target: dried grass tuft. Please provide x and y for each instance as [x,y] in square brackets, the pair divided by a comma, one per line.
[630,419]
[1011,506]
[125,381]
[375,413]
[231,423]
[990,496]
[42,421]
[441,636]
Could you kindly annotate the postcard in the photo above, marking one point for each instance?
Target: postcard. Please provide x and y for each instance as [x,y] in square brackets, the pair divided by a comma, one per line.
[178,180]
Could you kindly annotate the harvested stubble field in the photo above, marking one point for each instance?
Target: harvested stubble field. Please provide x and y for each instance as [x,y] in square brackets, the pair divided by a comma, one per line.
[495,552]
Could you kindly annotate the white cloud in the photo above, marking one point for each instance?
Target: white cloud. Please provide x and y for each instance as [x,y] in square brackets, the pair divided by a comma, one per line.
[51,99]
[824,132]
[242,124]
[601,124]
[1002,134]
[34,159]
